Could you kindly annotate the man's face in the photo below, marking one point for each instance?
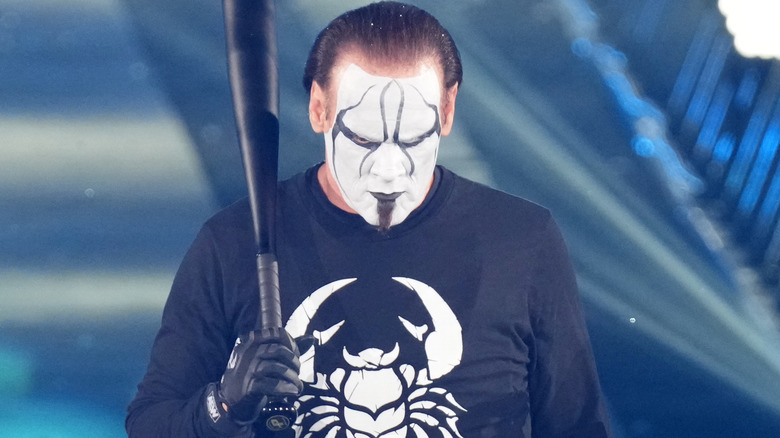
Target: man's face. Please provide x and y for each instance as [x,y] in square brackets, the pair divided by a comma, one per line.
[383,144]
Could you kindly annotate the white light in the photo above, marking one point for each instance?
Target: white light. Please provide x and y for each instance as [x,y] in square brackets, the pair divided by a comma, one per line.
[754,24]
[32,296]
[111,156]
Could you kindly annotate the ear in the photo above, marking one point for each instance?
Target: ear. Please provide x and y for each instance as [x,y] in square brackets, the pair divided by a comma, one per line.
[318,109]
[448,111]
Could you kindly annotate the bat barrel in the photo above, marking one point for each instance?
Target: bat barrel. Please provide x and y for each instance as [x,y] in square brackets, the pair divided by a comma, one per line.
[254,78]
[253,71]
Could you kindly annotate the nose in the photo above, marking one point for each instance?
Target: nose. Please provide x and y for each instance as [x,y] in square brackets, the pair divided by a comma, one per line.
[390,162]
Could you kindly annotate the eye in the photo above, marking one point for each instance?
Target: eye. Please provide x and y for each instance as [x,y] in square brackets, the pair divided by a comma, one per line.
[413,142]
[362,141]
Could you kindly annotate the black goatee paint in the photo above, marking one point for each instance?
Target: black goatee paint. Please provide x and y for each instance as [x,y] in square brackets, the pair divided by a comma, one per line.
[384,207]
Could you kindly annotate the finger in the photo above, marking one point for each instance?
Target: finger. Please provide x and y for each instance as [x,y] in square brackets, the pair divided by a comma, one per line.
[283,388]
[275,335]
[275,370]
[276,380]
[278,353]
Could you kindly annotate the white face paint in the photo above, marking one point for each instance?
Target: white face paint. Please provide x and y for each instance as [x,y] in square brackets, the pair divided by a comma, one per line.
[383,144]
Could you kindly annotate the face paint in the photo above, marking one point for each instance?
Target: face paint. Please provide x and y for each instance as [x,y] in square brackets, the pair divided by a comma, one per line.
[383,144]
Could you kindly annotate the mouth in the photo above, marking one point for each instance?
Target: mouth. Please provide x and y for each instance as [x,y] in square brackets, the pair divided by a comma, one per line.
[386,196]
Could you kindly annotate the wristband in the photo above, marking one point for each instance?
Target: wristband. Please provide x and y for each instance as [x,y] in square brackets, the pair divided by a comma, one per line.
[218,418]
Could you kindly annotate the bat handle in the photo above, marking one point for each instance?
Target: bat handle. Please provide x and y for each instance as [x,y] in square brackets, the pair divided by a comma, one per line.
[270,315]
[279,413]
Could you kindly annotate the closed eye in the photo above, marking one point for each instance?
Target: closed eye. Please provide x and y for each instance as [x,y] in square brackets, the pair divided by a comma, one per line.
[362,141]
[412,142]
[355,138]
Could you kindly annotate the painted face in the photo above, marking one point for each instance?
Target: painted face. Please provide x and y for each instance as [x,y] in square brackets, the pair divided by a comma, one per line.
[384,141]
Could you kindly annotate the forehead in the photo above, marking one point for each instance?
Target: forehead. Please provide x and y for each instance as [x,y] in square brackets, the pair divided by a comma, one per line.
[378,66]
[355,84]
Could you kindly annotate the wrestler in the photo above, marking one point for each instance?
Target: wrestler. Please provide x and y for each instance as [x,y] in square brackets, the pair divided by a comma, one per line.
[438,307]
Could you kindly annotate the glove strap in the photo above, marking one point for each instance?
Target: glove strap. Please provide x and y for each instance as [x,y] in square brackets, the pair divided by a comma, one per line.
[219,420]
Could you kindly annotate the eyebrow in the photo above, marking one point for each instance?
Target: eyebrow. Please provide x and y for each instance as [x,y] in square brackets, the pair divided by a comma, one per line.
[436,128]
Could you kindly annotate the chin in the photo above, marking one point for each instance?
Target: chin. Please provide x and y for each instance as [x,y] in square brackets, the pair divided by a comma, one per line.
[399,216]
[370,216]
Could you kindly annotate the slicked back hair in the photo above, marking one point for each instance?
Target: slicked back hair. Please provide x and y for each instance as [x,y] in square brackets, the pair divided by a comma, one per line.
[384,32]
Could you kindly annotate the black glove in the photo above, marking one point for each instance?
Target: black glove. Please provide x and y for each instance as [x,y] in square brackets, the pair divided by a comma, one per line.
[264,363]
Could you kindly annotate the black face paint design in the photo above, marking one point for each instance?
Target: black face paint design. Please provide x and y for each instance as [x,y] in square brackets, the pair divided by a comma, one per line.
[384,128]
[372,145]
[384,208]
[340,128]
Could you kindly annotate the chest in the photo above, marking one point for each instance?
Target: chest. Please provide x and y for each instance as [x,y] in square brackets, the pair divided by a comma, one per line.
[406,333]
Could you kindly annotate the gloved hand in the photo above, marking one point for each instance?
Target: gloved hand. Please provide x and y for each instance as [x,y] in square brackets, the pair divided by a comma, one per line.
[264,363]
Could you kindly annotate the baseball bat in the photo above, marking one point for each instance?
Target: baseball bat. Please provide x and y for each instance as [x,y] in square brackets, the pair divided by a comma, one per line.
[253,72]
[252,68]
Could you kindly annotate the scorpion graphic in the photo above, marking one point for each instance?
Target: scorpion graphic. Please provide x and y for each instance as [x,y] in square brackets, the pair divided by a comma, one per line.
[372,374]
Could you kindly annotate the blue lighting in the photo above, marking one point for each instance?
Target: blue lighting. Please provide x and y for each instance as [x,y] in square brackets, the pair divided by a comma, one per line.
[745,154]
[15,372]
[724,148]
[697,54]
[626,99]
[650,16]
[747,89]
[22,418]
[714,119]
[643,146]
[768,210]
[758,174]
[648,122]
[709,78]
[582,47]
[766,156]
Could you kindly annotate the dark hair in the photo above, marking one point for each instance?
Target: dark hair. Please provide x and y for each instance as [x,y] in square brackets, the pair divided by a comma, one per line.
[384,32]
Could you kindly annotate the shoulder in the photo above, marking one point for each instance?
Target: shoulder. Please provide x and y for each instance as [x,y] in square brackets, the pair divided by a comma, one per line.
[234,217]
[238,215]
[496,208]
[235,220]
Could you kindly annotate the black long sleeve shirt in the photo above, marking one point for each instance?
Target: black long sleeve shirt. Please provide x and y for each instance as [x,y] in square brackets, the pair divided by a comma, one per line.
[464,319]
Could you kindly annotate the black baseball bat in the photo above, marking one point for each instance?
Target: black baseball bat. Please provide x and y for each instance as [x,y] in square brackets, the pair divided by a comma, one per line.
[252,67]
[253,71]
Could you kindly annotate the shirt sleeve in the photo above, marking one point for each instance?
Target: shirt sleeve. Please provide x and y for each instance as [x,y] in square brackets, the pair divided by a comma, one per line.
[189,352]
[565,395]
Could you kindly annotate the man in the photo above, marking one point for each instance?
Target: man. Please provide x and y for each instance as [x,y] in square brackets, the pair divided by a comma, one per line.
[423,304]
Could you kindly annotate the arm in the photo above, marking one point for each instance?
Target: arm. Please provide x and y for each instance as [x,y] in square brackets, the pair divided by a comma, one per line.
[189,353]
[200,382]
[566,398]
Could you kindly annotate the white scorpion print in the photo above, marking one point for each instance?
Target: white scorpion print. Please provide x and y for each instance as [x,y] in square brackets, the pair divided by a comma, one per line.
[372,371]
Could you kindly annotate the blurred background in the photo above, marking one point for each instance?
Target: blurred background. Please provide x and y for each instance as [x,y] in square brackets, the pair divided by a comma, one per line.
[649,127]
